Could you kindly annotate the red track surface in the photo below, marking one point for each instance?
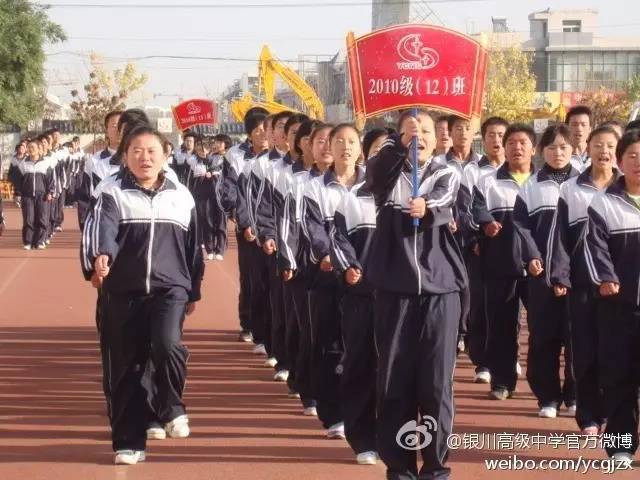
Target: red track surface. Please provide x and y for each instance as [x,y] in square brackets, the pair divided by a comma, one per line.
[52,422]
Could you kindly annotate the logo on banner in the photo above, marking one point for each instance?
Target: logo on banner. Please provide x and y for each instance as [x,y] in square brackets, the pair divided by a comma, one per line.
[415,54]
[193,109]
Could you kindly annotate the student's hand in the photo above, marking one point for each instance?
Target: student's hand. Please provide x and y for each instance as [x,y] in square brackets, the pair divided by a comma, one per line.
[453,226]
[492,229]
[49,197]
[269,247]
[325,264]
[476,249]
[248,235]
[96,281]
[410,131]
[287,275]
[535,267]
[607,289]
[559,290]
[208,175]
[191,307]
[101,266]
[418,207]
[353,275]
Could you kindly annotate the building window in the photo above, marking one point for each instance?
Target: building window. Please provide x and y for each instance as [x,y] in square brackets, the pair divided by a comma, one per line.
[571,26]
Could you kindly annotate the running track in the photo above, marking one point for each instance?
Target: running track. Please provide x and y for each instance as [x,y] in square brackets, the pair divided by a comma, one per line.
[52,422]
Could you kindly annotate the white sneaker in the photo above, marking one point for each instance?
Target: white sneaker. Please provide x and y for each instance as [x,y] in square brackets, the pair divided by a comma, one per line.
[281,376]
[26,247]
[58,229]
[270,362]
[482,377]
[129,457]
[48,241]
[246,337]
[623,460]
[156,433]
[218,257]
[178,427]
[210,256]
[518,369]
[293,394]
[336,431]
[310,412]
[367,458]
[259,350]
[548,412]
[202,245]
[571,411]
[42,246]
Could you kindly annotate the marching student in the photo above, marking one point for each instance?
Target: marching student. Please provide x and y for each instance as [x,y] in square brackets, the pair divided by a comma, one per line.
[321,197]
[36,185]
[460,156]
[145,298]
[418,273]
[351,238]
[534,214]
[579,120]
[14,170]
[265,261]
[93,167]
[501,262]
[492,131]
[237,160]
[221,143]
[199,181]
[611,250]
[569,273]
[294,262]
[184,156]
[269,212]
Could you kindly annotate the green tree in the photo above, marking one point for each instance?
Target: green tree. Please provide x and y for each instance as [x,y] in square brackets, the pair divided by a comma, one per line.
[25,29]
[511,86]
[632,88]
[105,92]
[607,105]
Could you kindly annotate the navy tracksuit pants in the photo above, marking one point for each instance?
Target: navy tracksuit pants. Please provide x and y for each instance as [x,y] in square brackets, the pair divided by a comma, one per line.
[326,342]
[35,219]
[584,349]
[144,334]
[503,296]
[358,379]
[548,334]
[619,358]
[301,359]
[416,337]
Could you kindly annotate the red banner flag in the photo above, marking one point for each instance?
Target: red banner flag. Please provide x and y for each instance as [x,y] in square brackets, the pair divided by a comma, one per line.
[416,65]
[194,112]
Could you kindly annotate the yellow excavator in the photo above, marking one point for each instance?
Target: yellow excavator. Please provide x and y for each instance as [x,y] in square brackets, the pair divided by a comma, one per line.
[268,68]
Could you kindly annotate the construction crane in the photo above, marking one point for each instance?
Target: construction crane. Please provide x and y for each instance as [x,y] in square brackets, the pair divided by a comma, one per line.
[268,69]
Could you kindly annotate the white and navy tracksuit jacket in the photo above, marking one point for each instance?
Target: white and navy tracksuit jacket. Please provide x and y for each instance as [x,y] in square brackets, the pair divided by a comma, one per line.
[321,198]
[581,162]
[159,231]
[276,184]
[568,262]
[409,260]
[35,178]
[535,215]
[293,233]
[354,226]
[493,201]
[613,242]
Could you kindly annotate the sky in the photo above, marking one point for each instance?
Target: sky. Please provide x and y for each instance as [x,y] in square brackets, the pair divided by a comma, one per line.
[239,31]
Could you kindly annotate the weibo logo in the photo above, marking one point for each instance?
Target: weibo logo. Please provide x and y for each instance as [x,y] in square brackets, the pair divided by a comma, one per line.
[416,56]
[193,109]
